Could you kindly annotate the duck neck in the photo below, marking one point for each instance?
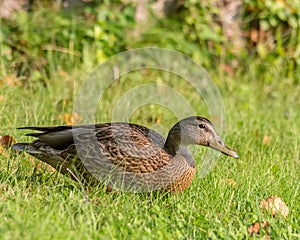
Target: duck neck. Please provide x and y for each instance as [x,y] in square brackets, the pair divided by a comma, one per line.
[173,141]
[173,146]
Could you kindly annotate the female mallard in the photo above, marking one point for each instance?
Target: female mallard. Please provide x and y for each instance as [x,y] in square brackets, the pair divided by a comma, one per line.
[123,155]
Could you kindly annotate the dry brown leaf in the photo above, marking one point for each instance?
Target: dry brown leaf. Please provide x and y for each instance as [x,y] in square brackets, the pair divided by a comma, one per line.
[71,119]
[274,204]
[266,140]
[255,228]
[63,73]
[254,35]
[7,140]
[3,151]
[228,69]
[157,120]
[11,81]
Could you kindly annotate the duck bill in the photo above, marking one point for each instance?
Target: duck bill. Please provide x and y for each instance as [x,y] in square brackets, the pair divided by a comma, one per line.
[219,145]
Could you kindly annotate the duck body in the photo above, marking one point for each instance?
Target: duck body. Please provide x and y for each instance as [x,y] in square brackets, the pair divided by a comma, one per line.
[123,155]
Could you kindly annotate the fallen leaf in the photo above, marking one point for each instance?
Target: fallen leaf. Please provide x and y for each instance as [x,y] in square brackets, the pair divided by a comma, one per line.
[157,120]
[6,141]
[3,151]
[274,204]
[255,228]
[254,35]
[71,119]
[266,140]
[63,73]
[228,69]
[11,80]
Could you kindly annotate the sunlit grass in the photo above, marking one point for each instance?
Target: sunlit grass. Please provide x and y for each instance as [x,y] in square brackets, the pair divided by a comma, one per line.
[39,204]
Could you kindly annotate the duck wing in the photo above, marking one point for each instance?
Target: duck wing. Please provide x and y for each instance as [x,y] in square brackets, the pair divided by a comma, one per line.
[61,137]
[130,146]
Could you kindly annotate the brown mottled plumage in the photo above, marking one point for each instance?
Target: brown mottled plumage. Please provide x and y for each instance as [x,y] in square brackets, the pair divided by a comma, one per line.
[125,156]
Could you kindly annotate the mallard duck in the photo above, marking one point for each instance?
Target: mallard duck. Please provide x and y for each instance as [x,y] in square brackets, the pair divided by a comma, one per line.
[125,156]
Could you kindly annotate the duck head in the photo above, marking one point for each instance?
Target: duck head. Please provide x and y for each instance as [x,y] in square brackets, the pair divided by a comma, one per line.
[198,131]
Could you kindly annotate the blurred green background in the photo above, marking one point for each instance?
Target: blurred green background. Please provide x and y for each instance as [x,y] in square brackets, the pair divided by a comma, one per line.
[39,38]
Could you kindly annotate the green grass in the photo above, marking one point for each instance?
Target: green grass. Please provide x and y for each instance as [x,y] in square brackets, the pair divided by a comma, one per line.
[39,204]
[260,101]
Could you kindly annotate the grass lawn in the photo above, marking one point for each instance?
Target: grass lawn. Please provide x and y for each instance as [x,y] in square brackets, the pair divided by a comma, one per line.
[262,124]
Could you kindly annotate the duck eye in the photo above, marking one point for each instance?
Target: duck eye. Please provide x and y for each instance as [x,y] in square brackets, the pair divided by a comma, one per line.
[201,125]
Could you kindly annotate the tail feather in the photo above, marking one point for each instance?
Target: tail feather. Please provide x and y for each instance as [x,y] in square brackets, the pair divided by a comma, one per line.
[33,134]
[48,129]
